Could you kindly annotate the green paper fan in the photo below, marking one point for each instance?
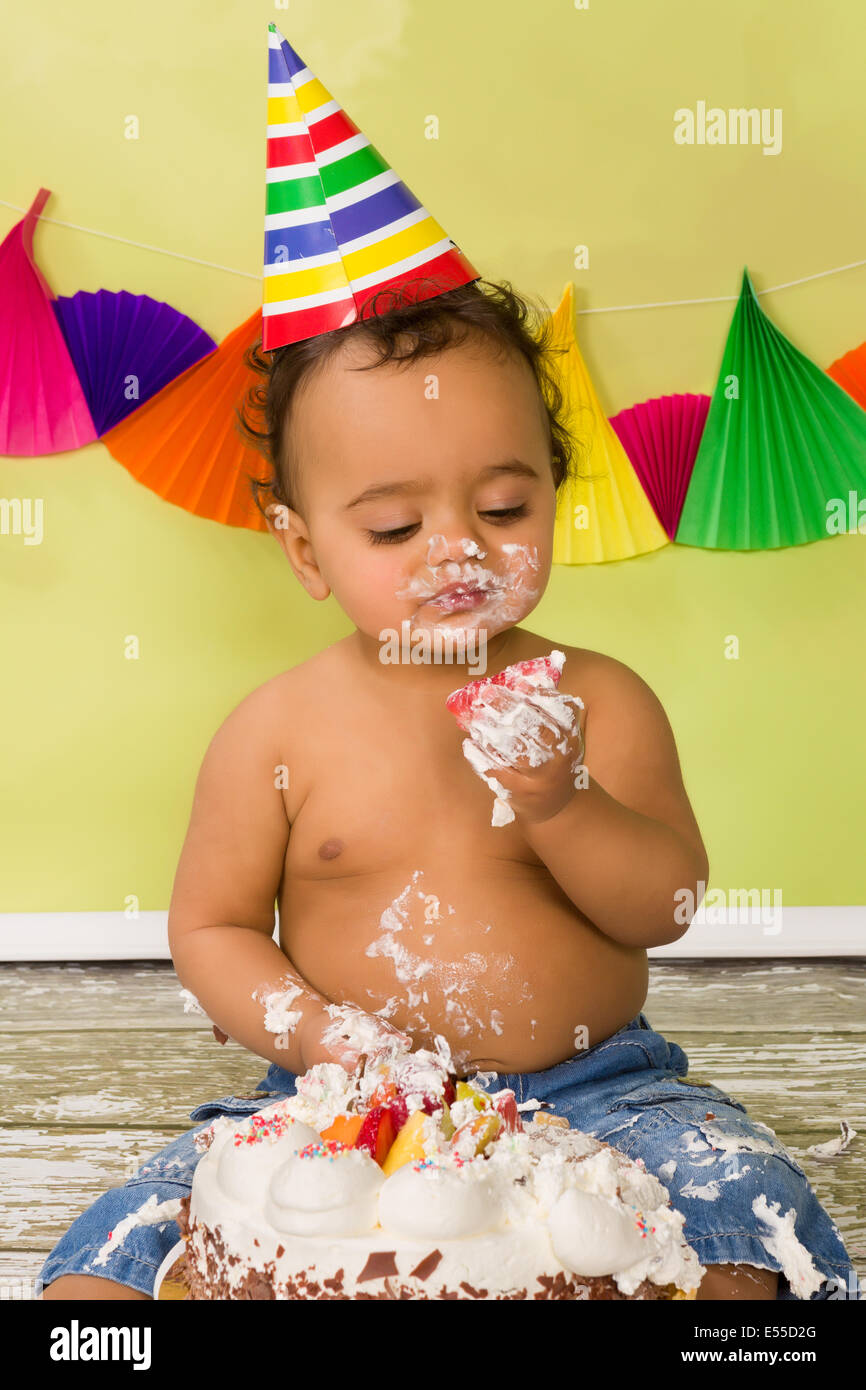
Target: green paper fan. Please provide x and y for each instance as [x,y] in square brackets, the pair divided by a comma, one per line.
[775,453]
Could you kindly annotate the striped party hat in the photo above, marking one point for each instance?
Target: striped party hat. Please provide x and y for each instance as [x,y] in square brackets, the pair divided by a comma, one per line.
[339,223]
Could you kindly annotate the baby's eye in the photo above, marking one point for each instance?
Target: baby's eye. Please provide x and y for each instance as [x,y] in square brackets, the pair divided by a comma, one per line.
[506,513]
[389,537]
[401,533]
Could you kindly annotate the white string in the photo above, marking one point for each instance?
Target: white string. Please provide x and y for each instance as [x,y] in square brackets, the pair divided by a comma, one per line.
[722,298]
[177,255]
[607,309]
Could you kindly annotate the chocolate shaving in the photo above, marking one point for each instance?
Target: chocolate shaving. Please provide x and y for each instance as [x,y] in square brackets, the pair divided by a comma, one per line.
[379,1263]
[426,1266]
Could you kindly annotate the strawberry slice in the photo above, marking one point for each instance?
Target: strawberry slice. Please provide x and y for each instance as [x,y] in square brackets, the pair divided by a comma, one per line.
[399,1112]
[377,1133]
[505,1104]
[541,671]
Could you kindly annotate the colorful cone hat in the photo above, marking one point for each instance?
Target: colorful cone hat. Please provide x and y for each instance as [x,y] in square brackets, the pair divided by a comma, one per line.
[339,224]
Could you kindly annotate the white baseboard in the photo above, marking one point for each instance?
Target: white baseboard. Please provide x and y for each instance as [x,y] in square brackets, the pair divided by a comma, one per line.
[798,931]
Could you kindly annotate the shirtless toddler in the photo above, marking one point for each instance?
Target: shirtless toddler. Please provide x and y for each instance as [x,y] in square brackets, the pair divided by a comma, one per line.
[498,887]
[340,788]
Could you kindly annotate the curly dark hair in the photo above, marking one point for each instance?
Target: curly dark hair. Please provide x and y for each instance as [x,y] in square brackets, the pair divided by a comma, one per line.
[407,329]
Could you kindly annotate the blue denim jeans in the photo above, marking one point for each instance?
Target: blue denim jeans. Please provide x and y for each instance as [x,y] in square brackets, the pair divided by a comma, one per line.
[631,1090]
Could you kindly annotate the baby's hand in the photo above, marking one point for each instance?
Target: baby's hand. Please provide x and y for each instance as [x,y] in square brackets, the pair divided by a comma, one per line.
[531,740]
[342,1033]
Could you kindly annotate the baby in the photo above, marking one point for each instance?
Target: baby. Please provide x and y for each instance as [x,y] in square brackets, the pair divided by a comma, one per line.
[417,460]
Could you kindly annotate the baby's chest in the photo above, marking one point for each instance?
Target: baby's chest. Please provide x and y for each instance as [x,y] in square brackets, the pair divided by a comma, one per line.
[386,799]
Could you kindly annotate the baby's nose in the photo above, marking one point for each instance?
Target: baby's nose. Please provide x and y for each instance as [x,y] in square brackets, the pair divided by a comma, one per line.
[440,548]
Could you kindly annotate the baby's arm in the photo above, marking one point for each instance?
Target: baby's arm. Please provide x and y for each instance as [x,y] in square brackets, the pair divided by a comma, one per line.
[221,917]
[627,843]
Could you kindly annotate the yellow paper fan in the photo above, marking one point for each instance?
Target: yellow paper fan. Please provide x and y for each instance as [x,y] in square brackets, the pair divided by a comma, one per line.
[606,516]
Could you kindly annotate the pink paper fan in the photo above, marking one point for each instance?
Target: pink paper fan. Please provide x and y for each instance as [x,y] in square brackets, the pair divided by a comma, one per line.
[126,347]
[42,405]
[661,439]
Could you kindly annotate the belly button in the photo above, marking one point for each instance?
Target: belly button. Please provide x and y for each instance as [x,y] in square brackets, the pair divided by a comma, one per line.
[330,849]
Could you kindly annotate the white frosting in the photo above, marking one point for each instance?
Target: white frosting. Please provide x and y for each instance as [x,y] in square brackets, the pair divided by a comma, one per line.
[594,1234]
[442,1202]
[543,1202]
[325,1194]
[506,725]
[279,1017]
[362,1032]
[150,1213]
[254,1152]
[511,590]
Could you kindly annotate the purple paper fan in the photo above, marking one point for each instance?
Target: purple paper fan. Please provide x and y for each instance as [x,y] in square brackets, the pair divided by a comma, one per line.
[661,439]
[125,348]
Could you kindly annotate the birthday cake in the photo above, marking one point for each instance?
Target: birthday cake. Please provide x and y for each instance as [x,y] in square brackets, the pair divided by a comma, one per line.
[400,1181]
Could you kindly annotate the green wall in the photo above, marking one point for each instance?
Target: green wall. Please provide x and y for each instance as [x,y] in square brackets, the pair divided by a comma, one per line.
[555,129]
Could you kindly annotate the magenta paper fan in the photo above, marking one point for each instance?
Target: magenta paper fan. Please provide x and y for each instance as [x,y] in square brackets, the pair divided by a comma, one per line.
[661,439]
[42,405]
[126,347]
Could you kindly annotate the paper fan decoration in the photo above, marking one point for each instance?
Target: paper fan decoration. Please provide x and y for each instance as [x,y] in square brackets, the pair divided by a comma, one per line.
[781,441]
[850,373]
[339,223]
[42,405]
[606,516]
[184,443]
[661,438]
[125,348]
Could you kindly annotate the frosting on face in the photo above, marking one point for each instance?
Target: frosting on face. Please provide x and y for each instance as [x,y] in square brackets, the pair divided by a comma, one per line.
[507,593]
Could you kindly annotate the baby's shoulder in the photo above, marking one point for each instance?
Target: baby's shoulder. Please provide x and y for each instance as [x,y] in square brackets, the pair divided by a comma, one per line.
[277,705]
[595,675]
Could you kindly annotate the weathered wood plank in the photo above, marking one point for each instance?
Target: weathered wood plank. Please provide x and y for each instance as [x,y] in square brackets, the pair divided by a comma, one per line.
[18,1271]
[157,1078]
[48,1178]
[143,1077]
[781,996]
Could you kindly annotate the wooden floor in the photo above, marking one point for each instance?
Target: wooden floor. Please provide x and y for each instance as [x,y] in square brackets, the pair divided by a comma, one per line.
[99,1068]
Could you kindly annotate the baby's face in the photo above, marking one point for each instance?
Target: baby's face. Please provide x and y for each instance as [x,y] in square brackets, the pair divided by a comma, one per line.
[427,489]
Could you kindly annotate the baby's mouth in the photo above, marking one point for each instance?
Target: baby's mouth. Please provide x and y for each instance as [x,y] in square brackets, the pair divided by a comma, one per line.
[459,598]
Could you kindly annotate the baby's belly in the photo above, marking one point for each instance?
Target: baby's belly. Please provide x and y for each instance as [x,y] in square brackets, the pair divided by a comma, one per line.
[497,960]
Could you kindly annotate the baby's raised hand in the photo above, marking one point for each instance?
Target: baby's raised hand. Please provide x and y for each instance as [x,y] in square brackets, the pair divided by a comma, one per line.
[532,742]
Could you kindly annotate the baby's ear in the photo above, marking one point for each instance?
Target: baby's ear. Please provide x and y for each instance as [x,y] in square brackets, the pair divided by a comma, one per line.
[290,531]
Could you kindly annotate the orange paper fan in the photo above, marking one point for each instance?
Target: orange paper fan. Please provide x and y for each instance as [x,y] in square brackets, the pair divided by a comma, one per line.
[184,443]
